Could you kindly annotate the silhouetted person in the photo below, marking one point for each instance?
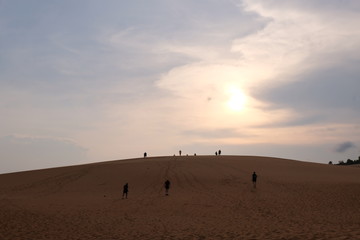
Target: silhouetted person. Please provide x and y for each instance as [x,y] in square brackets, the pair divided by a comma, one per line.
[216,153]
[219,152]
[180,152]
[145,154]
[254,177]
[167,186]
[125,190]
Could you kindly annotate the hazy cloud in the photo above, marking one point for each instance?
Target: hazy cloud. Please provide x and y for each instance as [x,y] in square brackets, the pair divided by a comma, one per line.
[26,153]
[333,87]
[309,119]
[343,147]
[217,133]
[117,76]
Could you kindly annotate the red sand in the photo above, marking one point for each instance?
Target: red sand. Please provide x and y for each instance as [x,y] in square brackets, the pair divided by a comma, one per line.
[211,197]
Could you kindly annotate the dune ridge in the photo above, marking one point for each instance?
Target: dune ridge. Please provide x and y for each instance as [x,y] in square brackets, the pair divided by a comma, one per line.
[211,197]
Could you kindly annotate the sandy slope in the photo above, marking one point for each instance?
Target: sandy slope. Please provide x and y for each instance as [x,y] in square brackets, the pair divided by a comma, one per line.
[211,197]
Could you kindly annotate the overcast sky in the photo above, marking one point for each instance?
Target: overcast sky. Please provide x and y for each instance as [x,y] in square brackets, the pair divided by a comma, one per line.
[87,81]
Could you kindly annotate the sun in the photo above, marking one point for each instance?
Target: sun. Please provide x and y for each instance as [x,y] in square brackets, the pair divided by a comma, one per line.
[237,99]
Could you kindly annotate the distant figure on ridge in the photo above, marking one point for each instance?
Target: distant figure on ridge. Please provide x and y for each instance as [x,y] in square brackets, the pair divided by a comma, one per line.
[180,152]
[254,177]
[167,186]
[145,154]
[215,153]
[125,190]
[219,152]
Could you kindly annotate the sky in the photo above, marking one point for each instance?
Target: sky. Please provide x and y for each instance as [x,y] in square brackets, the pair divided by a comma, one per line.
[89,81]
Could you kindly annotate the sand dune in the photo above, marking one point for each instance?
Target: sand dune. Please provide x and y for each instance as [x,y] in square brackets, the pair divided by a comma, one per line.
[211,197]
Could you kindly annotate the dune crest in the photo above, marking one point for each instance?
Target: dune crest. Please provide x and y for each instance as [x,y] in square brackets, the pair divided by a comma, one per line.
[210,197]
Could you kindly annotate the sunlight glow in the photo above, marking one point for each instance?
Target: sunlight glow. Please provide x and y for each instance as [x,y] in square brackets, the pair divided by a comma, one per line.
[237,99]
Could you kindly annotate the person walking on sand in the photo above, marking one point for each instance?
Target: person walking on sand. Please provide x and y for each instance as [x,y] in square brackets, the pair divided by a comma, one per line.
[125,191]
[179,152]
[167,186]
[254,177]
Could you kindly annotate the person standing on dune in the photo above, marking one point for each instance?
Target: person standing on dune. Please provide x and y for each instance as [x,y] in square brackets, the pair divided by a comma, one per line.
[125,191]
[167,186]
[254,177]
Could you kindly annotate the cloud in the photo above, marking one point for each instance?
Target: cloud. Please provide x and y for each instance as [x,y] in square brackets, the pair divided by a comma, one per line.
[343,147]
[314,70]
[297,39]
[26,153]
[105,74]
[216,133]
[295,121]
[290,69]
[310,66]
[327,94]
